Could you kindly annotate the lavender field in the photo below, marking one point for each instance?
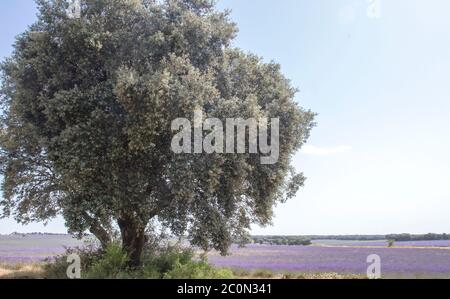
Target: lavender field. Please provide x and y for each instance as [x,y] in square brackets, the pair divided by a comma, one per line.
[34,248]
[421,259]
[405,261]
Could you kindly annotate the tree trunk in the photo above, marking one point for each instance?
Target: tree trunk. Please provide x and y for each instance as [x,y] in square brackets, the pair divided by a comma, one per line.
[133,241]
[102,235]
[98,231]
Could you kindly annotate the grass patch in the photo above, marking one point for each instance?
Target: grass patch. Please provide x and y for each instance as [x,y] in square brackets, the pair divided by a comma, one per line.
[21,271]
[268,274]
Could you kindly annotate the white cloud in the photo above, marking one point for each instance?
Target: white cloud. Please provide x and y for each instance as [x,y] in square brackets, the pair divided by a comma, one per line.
[324,151]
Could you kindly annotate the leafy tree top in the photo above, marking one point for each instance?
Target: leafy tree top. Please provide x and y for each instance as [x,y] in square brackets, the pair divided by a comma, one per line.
[86,125]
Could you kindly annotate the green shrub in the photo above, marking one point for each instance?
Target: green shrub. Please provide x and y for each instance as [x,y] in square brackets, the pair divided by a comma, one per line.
[197,270]
[149,272]
[175,262]
[164,263]
[56,268]
[166,260]
[112,265]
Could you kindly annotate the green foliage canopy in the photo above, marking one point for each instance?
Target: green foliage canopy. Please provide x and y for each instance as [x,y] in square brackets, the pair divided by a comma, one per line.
[86,125]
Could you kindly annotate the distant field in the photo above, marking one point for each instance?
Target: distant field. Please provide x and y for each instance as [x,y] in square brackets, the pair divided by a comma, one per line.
[422,259]
[346,257]
[32,248]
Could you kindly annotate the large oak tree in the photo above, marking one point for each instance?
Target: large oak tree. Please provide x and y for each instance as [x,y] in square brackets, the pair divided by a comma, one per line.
[86,133]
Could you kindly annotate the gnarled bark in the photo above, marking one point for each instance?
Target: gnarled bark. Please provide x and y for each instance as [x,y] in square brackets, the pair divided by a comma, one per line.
[133,240]
[101,234]
[98,231]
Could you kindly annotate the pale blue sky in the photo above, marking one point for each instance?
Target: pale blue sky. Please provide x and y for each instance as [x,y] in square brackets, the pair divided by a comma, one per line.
[379,161]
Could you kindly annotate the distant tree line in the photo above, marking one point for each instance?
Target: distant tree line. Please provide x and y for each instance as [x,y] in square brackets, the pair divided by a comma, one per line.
[307,239]
[347,237]
[281,240]
[37,234]
[423,237]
